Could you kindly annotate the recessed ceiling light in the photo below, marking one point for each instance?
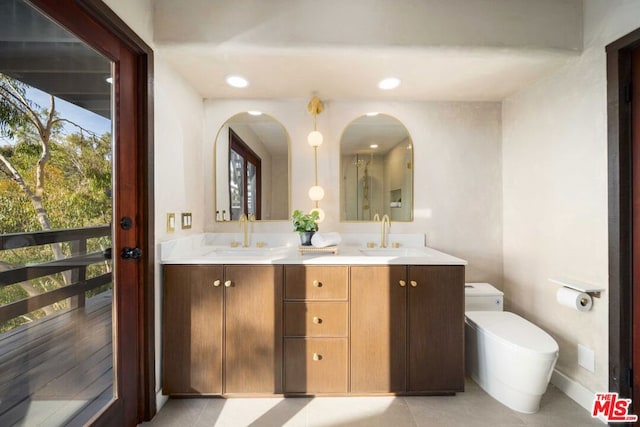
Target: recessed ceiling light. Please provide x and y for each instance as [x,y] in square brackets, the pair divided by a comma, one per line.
[373,146]
[237,81]
[255,113]
[372,114]
[389,83]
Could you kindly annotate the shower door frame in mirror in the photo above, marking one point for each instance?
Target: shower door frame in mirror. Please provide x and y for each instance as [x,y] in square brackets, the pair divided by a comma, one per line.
[94,23]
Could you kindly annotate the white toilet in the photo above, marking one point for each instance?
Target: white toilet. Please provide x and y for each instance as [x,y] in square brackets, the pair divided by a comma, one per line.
[509,357]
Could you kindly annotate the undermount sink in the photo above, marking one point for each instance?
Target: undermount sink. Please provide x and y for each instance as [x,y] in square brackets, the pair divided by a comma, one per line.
[387,252]
[249,252]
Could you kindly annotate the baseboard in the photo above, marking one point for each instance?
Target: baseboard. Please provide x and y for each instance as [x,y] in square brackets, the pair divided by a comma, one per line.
[161,399]
[576,391]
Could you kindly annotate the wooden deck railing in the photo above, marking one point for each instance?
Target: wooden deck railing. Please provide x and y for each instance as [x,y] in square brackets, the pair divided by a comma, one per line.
[77,264]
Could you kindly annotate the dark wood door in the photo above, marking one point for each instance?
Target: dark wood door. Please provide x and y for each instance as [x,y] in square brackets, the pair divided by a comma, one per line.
[635,135]
[95,24]
[192,333]
[253,329]
[378,329]
[435,311]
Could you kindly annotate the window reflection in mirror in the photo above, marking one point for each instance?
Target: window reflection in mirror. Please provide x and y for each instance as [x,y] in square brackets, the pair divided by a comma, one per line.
[252,169]
[376,156]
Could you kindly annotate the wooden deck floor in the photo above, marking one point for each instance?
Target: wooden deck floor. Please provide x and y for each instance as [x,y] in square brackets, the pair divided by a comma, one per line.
[58,370]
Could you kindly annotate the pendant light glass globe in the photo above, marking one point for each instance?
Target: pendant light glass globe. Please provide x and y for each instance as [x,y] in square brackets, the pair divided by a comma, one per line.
[314,139]
[320,214]
[316,193]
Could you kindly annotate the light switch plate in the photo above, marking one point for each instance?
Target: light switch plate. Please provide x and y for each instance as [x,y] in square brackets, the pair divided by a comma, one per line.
[171,222]
[586,358]
[186,220]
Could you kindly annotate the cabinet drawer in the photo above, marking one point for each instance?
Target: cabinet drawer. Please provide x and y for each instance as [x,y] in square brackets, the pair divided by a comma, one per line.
[316,282]
[315,319]
[315,365]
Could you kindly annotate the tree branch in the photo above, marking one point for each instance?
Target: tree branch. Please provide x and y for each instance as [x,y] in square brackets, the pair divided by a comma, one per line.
[15,175]
[82,129]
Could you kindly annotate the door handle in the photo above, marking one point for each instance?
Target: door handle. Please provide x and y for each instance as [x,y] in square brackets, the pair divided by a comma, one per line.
[130,253]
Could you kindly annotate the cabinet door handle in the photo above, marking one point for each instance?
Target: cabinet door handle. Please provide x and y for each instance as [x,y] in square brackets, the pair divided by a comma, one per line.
[414,283]
[227,283]
[216,283]
[317,283]
[317,320]
[402,283]
[317,357]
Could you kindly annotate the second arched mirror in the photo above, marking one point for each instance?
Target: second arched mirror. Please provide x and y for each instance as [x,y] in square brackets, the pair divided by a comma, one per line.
[252,169]
[376,163]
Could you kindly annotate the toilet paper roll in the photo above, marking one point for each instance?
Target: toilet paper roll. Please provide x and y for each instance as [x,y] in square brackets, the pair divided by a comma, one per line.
[572,298]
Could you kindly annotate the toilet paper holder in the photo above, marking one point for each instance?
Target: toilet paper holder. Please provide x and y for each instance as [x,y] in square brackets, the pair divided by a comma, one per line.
[587,288]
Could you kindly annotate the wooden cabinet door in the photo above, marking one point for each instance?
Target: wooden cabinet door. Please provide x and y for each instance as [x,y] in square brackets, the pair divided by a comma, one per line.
[192,337]
[253,329]
[378,328]
[435,328]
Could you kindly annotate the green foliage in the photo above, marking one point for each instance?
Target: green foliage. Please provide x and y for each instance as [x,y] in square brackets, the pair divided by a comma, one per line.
[12,117]
[77,191]
[305,221]
[78,180]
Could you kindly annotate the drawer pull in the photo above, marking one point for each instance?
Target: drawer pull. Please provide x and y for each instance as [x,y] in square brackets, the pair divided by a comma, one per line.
[414,283]
[216,283]
[317,284]
[402,283]
[227,283]
[317,357]
[317,320]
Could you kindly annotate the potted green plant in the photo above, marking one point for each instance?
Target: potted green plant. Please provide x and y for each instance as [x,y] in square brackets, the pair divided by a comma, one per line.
[306,224]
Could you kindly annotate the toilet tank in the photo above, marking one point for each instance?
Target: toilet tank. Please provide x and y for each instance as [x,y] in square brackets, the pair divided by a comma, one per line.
[482,297]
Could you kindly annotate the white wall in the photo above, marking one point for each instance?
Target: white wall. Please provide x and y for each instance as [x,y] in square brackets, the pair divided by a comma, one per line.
[555,192]
[178,168]
[458,188]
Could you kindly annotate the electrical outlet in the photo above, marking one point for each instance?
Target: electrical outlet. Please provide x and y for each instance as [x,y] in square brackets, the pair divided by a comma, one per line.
[186,220]
[586,358]
[171,222]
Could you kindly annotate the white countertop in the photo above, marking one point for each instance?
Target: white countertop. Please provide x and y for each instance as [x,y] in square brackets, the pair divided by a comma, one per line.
[210,248]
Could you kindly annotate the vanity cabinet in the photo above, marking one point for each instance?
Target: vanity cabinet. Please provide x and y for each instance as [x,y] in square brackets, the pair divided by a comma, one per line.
[316,328]
[222,322]
[296,329]
[407,329]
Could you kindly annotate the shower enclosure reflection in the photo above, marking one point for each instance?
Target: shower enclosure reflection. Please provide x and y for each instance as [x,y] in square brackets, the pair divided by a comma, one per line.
[377,170]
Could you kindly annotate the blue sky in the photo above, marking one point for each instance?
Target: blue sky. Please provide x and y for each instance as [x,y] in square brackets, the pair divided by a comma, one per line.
[66,110]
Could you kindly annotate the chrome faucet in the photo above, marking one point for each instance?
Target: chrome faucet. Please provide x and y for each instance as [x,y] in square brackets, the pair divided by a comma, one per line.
[244,224]
[376,217]
[386,226]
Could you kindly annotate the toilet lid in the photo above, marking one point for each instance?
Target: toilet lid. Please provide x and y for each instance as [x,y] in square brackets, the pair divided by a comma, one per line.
[481,290]
[514,329]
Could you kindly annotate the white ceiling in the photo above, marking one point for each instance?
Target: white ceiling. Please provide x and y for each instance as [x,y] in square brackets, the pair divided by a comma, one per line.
[433,74]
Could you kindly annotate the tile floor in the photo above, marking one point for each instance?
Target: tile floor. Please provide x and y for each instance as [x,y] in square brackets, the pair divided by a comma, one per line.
[469,409]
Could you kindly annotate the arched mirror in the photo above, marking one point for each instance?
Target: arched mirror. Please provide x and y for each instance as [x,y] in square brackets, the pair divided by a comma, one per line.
[252,168]
[376,162]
